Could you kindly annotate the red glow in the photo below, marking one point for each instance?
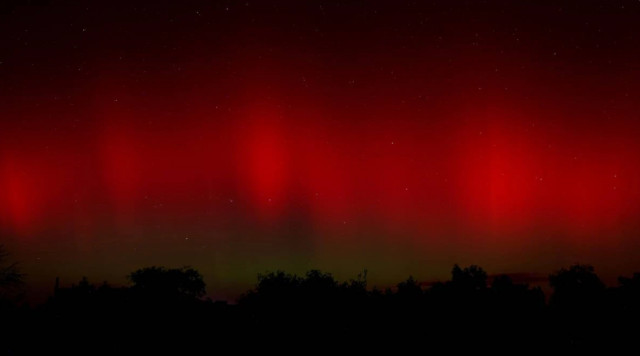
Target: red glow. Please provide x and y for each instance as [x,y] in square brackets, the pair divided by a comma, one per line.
[18,195]
[332,124]
[503,175]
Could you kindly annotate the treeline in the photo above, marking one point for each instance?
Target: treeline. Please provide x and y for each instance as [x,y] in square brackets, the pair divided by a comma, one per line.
[163,310]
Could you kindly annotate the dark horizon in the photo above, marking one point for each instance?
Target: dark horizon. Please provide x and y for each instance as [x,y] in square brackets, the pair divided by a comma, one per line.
[166,310]
[29,298]
[39,297]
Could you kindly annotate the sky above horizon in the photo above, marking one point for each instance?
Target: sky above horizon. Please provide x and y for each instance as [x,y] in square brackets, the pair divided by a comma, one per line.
[399,137]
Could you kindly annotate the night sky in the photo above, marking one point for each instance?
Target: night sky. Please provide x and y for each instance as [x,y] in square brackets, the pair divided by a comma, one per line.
[244,136]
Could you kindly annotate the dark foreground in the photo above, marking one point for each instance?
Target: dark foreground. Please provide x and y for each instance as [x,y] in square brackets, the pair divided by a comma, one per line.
[163,313]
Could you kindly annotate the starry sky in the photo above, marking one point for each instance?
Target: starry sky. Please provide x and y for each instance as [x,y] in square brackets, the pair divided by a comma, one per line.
[244,136]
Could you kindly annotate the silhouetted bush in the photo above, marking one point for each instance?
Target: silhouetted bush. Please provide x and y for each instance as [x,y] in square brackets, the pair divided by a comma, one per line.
[168,283]
[10,275]
[576,288]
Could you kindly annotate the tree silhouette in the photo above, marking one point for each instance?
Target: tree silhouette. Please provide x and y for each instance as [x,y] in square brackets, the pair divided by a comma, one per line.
[460,314]
[276,285]
[316,280]
[409,289]
[577,306]
[360,282]
[10,275]
[629,293]
[576,287]
[162,282]
[12,318]
[407,306]
[472,278]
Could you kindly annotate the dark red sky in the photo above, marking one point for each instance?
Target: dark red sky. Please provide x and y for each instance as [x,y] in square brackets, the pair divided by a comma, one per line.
[241,136]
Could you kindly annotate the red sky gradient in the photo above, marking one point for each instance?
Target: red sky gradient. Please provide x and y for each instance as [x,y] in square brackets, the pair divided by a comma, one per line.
[239,137]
